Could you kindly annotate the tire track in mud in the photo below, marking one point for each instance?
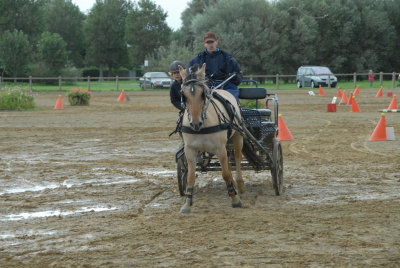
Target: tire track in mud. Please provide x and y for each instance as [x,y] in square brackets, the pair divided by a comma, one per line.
[362,146]
[298,148]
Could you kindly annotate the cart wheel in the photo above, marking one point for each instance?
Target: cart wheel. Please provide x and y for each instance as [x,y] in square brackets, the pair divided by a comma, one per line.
[182,174]
[277,168]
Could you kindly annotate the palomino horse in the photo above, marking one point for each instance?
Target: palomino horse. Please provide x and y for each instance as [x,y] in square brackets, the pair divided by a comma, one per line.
[204,133]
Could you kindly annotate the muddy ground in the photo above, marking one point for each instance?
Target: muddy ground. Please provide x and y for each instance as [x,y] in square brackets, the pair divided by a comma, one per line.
[96,186]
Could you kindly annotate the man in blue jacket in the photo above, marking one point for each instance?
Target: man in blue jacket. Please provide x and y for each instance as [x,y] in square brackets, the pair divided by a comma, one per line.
[219,65]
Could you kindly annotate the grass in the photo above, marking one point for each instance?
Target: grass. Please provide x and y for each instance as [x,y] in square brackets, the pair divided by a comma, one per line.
[134,85]
[67,86]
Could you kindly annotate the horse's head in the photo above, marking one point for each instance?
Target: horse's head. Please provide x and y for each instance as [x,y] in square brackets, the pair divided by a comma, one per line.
[194,94]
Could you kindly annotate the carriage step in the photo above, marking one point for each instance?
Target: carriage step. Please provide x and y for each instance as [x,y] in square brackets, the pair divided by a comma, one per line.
[265,112]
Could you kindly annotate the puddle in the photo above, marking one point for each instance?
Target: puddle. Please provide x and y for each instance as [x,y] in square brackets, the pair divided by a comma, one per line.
[52,213]
[36,188]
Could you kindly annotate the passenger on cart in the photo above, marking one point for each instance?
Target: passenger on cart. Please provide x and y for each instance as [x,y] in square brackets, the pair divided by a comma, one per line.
[219,65]
[175,89]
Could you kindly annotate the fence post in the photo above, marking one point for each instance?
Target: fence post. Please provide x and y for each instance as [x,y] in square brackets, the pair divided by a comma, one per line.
[144,83]
[302,80]
[1,78]
[329,81]
[380,78]
[355,79]
[59,83]
[277,81]
[30,84]
[393,80]
[88,82]
[117,82]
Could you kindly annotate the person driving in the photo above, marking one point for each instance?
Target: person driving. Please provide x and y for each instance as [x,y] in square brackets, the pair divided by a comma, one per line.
[219,65]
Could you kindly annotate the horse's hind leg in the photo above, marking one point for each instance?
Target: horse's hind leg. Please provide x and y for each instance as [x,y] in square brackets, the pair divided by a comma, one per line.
[227,176]
[238,145]
[191,161]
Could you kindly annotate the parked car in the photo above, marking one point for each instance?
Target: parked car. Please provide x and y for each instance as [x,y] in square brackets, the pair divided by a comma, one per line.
[155,79]
[315,76]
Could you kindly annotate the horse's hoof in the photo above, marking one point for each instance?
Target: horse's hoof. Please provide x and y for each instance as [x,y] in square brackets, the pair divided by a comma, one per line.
[184,211]
[238,204]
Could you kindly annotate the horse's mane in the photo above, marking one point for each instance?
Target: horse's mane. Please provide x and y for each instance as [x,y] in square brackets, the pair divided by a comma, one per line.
[192,74]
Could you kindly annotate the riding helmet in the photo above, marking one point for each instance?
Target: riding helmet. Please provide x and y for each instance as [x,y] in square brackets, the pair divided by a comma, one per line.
[174,67]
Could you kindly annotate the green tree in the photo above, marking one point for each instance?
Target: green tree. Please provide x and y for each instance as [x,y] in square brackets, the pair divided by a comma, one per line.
[249,30]
[15,53]
[165,55]
[392,8]
[195,7]
[65,18]
[51,50]
[146,30]
[24,15]
[105,32]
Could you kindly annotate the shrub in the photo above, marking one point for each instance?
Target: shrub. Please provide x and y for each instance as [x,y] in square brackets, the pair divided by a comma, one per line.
[91,71]
[78,96]
[72,73]
[16,99]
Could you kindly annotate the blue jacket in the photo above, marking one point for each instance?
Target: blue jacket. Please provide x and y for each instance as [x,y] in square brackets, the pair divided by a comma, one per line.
[219,65]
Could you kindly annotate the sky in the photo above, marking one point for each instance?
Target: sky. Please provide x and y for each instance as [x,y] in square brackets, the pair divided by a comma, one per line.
[174,8]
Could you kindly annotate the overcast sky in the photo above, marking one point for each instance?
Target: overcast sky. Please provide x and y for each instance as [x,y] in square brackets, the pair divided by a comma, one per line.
[174,9]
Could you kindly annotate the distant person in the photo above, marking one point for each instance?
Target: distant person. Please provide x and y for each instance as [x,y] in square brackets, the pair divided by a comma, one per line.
[371,78]
[175,89]
[219,65]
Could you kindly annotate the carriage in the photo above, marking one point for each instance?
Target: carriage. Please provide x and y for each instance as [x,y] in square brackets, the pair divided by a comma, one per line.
[261,147]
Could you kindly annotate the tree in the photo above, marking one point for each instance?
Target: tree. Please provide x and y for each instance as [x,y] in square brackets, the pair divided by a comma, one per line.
[15,53]
[146,30]
[249,30]
[64,18]
[195,7]
[24,15]
[165,55]
[105,32]
[51,50]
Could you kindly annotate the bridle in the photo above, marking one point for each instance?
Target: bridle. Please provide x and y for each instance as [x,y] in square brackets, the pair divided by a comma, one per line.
[193,80]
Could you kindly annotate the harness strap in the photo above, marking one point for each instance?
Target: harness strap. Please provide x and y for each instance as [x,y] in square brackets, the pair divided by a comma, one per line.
[206,130]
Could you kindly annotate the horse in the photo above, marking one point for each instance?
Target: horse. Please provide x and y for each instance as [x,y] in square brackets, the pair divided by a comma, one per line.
[202,132]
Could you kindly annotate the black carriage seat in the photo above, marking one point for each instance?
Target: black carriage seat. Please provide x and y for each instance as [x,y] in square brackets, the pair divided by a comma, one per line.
[255,93]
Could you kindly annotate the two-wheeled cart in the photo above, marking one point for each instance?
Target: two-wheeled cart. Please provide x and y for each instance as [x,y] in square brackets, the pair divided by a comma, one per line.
[261,148]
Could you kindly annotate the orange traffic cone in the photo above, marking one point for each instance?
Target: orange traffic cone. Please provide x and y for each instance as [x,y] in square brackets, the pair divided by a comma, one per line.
[354,106]
[283,132]
[357,90]
[380,93]
[339,93]
[379,133]
[393,104]
[59,104]
[321,91]
[344,98]
[121,97]
[350,99]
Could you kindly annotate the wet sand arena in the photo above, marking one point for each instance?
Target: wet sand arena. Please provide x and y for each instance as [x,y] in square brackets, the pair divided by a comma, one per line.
[96,186]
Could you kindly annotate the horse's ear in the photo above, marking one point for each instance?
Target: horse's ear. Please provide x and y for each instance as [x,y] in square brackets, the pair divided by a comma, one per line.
[182,72]
[201,72]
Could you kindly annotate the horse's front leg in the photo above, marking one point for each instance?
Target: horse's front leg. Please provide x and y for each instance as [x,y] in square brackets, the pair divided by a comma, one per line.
[191,161]
[227,176]
[237,140]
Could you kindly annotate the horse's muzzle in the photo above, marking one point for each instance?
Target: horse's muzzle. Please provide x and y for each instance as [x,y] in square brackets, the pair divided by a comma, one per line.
[196,126]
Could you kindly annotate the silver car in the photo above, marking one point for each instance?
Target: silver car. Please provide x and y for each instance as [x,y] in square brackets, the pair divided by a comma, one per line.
[155,80]
[315,76]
